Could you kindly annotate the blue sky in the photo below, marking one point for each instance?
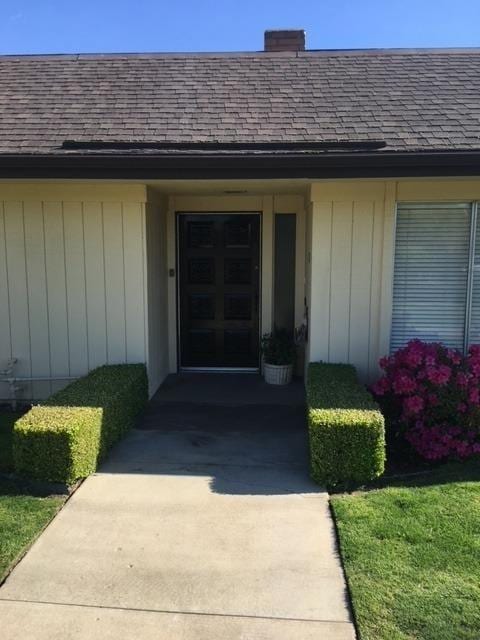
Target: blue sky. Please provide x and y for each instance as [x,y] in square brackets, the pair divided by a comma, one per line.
[56,26]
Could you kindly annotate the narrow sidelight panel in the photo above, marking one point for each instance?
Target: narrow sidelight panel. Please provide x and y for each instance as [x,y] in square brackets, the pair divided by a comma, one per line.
[284,291]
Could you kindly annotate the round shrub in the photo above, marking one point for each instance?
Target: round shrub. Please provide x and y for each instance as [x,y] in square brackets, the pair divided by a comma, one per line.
[433,393]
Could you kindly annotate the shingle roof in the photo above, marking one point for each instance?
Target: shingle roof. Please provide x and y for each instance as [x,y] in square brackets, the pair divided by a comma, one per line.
[411,99]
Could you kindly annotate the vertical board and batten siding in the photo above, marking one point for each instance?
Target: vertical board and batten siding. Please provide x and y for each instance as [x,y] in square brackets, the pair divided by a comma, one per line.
[72,283]
[350,237]
[350,283]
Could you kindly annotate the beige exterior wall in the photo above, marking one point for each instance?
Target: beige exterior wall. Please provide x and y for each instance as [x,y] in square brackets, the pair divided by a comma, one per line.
[349,261]
[84,271]
[72,279]
[348,228]
[84,276]
[441,190]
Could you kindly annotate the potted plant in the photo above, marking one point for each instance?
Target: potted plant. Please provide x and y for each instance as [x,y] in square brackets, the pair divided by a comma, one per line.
[278,350]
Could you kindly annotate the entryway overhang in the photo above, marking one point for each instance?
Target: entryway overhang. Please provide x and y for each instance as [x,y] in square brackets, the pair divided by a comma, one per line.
[280,210]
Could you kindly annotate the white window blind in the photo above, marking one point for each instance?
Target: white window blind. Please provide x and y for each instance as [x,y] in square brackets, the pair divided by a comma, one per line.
[431,274]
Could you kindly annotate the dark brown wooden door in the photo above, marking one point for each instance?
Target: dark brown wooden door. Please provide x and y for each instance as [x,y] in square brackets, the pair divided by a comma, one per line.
[219,290]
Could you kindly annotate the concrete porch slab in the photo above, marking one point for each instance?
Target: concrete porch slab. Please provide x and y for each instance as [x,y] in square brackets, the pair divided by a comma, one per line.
[201,434]
[232,389]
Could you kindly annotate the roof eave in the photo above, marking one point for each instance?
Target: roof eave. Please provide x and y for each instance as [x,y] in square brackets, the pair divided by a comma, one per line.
[245,166]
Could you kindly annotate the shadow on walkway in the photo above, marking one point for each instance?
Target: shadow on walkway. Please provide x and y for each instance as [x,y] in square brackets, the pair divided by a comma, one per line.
[247,437]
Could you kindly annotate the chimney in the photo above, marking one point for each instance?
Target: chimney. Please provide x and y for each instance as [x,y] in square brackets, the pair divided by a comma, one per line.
[285,40]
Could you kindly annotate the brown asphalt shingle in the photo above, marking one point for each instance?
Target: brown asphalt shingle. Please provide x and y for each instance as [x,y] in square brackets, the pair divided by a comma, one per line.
[414,100]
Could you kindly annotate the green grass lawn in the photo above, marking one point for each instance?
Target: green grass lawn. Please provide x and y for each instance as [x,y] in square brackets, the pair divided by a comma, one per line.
[7,420]
[412,556]
[22,516]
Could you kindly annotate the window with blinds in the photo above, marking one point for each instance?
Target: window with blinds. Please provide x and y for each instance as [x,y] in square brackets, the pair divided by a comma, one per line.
[436,288]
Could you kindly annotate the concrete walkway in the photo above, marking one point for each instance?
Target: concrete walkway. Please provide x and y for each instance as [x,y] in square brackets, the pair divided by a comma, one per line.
[203,524]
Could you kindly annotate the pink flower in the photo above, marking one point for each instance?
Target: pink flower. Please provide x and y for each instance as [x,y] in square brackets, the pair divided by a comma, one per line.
[474,396]
[454,356]
[384,362]
[413,405]
[433,399]
[475,368]
[381,386]
[462,379]
[434,393]
[474,350]
[462,448]
[413,358]
[404,384]
[410,356]
[454,431]
[439,375]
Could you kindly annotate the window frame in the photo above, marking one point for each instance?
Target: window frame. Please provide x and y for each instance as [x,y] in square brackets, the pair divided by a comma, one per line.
[470,264]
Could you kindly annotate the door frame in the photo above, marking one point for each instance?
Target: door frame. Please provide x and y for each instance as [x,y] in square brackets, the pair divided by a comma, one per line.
[178,214]
[267,204]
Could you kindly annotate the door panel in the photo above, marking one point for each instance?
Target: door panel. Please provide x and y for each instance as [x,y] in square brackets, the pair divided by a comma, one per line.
[219,290]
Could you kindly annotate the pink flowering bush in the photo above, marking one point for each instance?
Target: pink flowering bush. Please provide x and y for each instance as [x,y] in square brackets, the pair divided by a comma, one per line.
[433,394]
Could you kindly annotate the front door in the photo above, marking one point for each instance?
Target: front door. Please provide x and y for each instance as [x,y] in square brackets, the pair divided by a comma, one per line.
[219,290]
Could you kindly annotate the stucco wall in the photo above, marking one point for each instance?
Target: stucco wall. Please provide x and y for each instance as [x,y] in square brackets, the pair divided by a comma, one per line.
[72,279]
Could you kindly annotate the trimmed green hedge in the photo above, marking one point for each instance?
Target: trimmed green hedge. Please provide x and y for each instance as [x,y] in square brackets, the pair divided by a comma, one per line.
[346,428]
[65,437]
